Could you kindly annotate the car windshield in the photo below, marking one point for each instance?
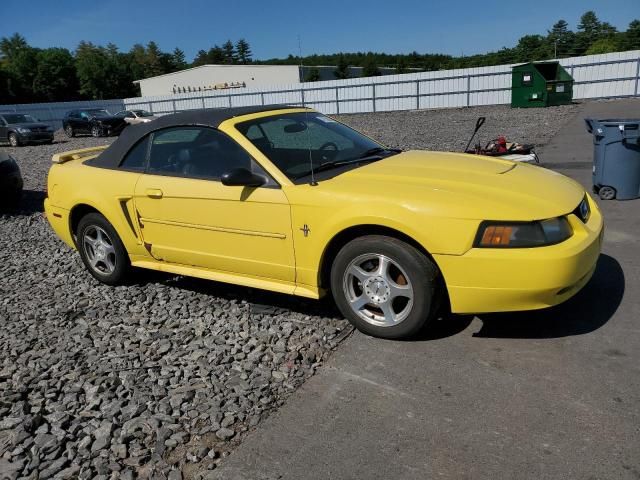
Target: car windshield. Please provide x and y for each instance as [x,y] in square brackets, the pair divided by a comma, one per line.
[18,118]
[292,141]
[142,113]
[98,113]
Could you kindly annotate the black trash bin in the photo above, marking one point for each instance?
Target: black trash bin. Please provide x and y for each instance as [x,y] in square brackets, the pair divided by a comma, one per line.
[616,158]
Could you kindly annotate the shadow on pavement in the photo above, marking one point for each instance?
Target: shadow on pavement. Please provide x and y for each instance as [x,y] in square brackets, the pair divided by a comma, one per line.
[590,309]
[587,311]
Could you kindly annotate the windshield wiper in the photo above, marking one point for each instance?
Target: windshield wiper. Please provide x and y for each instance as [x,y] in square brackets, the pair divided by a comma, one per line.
[378,150]
[368,156]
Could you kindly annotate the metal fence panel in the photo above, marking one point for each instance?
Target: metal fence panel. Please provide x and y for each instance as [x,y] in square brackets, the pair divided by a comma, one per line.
[596,76]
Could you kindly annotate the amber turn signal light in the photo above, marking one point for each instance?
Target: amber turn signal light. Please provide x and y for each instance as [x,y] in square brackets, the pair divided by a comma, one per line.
[496,236]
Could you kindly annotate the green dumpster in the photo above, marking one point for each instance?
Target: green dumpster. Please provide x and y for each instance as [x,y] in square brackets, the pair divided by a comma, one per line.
[540,84]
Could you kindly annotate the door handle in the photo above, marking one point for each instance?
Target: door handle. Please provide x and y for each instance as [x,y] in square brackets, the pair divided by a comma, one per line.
[154,193]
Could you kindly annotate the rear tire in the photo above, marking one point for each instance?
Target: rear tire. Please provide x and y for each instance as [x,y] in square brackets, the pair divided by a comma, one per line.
[385,287]
[69,131]
[14,141]
[101,249]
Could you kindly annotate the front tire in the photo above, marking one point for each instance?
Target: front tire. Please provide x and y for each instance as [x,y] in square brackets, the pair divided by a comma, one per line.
[385,287]
[69,131]
[14,141]
[101,249]
[96,131]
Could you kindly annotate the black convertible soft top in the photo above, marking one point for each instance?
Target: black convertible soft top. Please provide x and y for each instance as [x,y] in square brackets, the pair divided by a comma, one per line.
[208,117]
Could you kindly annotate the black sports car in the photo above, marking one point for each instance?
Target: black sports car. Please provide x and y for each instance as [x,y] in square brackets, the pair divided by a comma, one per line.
[10,181]
[96,121]
[19,129]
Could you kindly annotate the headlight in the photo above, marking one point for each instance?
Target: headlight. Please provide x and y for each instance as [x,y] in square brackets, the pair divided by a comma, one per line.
[23,130]
[523,234]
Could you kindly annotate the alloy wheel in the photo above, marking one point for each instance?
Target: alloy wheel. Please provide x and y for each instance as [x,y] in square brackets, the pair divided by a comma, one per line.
[378,290]
[99,250]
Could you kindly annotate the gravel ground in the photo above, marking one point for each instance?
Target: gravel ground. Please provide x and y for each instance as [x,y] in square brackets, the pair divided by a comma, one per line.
[162,378]
[450,129]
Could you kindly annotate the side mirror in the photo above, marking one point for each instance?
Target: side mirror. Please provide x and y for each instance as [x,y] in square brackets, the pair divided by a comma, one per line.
[241,177]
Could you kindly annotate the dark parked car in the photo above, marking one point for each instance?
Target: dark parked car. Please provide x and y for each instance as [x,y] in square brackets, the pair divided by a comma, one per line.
[19,129]
[96,121]
[10,181]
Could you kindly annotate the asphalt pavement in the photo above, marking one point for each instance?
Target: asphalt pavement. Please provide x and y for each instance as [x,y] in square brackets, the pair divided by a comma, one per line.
[543,395]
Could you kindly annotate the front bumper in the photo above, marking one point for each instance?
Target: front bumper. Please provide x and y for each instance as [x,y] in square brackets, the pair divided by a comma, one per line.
[34,137]
[499,280]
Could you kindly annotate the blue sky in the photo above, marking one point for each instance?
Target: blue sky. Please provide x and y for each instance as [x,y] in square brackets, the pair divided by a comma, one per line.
[327,26]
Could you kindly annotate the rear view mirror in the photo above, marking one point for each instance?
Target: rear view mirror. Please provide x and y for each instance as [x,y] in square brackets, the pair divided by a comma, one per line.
[241,177]
[295,127]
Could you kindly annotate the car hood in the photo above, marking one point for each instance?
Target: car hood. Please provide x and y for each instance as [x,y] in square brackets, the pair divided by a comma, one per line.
[465,186]
[28,125]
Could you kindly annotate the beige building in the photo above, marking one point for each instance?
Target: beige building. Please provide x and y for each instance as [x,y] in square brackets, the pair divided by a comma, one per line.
[226,77]
[210,77]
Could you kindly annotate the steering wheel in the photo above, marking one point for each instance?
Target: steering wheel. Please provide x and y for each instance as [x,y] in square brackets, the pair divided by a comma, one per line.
[327,147]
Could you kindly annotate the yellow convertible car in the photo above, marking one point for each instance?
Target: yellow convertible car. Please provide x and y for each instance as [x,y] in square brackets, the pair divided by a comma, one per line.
[289,200]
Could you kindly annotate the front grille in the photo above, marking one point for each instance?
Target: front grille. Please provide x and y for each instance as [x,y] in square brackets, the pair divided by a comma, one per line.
[583,210]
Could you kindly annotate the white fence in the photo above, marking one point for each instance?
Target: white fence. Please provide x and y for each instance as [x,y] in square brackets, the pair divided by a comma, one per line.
[596,76]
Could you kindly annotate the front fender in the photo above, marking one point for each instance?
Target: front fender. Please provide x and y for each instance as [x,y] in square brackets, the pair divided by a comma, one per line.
[437,235]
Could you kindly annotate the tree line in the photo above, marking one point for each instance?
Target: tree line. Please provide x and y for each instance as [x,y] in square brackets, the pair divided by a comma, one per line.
[94,72]
[29,74]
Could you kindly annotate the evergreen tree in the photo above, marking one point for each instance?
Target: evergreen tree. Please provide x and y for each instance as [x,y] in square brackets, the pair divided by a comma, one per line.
[229,52]
[631,38]
[200,59]
[11,46]
[243,51]
[153,60]
[178,61]
[401,65]
[55,78]
[533,47]
[370,68]
[92,68]
[342,68]
[590,30]
[561,38]
[313,75]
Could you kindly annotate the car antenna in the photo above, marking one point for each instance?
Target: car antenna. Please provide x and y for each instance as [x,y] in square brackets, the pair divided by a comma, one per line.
[306,115]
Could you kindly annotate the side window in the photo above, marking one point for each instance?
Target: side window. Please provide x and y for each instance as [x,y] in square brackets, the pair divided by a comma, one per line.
[136,159]
[197,152]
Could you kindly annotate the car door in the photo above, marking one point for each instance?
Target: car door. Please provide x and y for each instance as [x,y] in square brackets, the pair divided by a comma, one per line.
[81,121]
[187,216]
[74,120]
